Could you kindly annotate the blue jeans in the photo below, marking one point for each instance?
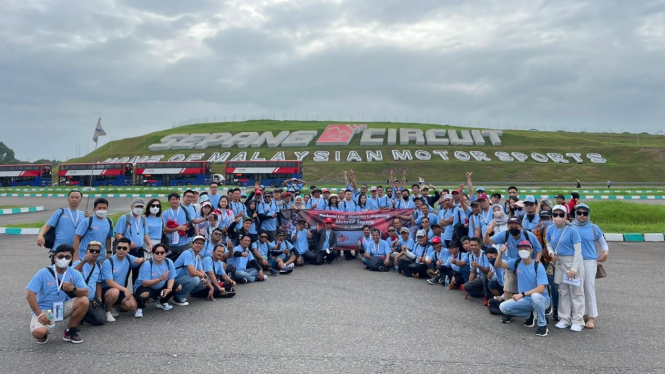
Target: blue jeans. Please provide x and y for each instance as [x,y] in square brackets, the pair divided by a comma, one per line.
[523,307]
[189,284]
[554,291]
[249,274]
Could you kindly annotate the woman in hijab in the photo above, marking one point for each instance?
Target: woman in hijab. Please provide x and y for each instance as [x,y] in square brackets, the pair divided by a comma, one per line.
[590,235]
[565,247]
[298,203]
[333,203]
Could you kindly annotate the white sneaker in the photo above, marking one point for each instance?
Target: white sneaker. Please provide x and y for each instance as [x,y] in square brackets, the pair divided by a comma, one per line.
[576,327]
[291,266]
[327,250]
[165,306]
[109,317]
[562,325]
[138,313]
[115,312]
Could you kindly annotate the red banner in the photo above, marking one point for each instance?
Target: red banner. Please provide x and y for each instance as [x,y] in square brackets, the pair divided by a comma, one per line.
[348,225]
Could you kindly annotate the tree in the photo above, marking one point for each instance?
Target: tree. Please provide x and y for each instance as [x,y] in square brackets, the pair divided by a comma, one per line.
[7,155]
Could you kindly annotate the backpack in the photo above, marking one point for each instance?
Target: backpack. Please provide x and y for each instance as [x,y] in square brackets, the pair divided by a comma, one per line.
[191,230]
[524,232]
[459,230]
[494,307]
[49,237]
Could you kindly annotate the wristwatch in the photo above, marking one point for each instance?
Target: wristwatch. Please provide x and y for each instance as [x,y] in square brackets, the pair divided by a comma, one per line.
[74,290]
[523,294]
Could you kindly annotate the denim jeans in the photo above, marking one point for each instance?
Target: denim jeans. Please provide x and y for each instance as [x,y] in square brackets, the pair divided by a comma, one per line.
[249,274]
[536,303]
[554,291]
[189,284]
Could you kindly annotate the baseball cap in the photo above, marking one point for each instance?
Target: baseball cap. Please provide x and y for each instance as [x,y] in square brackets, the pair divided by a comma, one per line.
[206,203]
[404,229]
[317,190]
[247,219]
[258,192]
[560,196]
[436,240]
[547,202]
[545,214]
[560,207]
[328,220]
[481,196]
[530,199]
[514,220]
[287,194]
[199,237]
[474,203]
[480,189]
[373,188]
[525,243]
[138,202]
[420,233]
[520,203]
[455,192]
[94,242]
[448,196]
[243,195]
[326,190]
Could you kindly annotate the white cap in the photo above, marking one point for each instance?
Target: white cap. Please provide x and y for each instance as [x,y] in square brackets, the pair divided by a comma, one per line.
[420,233]
[197,237]
[448,196]
[373,188]
[560,207]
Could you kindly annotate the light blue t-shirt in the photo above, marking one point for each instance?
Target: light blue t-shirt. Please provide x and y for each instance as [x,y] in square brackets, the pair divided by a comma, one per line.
[262,248]
[187,258]
[99,231]
[94,278]
[348,206]
[214,200]
[118,272]
[269,224]
[321,203]
[589,234]
[285,245]
[481,260]
[460,256]
[301,243]
[239,209]
[419,250]
[474,223]
[180,217]
[378,249]
[151,270]
[530,224]
[527,279]
[135,231]
[66,227]
[409,243]
[401,204]
[154,225]
[511,252]
[46,288]
[563,240]
[372,203]
[240,262]
[446,214]
[217,267]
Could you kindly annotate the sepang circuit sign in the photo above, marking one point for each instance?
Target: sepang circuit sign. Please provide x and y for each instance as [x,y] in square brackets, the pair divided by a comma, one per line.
[341,135]
[333,135]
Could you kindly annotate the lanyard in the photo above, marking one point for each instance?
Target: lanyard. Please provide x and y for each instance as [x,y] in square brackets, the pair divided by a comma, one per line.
[136,223]
[176,214]
[71,215]
[59,284]
[376,247]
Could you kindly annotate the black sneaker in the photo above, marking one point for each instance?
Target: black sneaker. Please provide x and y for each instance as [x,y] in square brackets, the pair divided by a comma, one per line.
[382,268]
[531,321]
[555,315]
[273,272]
[507,319]
[242,281]
[72,335]
[542,331]
[549,310]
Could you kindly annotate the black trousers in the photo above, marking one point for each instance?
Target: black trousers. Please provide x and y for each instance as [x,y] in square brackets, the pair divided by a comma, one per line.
[478,287]
[136,252]
[95,316]
[154,294]
[410,268]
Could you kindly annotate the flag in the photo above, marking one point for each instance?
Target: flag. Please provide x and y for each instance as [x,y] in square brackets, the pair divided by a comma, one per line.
[99,131]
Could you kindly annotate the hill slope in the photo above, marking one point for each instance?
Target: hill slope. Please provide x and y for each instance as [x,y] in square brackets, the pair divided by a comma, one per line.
[626,161]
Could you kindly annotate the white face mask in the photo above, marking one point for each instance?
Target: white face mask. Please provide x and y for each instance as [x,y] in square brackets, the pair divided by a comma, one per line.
[524,254]
[154,210]
[62,263]
[100,213]
[138,211]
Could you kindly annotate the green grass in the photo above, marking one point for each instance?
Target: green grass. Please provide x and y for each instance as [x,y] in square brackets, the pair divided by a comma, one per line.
[625,217]
[626,160]
[10,206]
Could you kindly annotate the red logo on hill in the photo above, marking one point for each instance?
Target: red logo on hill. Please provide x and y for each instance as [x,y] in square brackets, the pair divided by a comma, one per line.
[339,134]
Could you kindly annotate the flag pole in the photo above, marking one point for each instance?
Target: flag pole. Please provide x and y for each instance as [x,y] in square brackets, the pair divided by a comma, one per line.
[98,132]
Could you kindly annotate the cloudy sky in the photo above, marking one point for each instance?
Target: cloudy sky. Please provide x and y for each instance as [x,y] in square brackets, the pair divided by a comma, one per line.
[147,65]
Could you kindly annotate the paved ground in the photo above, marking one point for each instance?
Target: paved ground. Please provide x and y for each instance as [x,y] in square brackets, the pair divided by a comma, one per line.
[343,319]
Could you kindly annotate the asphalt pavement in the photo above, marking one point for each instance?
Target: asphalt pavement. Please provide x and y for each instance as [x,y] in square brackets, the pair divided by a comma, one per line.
[341,318]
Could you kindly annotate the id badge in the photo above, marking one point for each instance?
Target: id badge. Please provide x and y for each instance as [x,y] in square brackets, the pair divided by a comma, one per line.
[58,311]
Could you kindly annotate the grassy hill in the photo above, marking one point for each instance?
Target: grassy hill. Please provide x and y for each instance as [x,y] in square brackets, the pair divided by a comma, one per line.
[626,161]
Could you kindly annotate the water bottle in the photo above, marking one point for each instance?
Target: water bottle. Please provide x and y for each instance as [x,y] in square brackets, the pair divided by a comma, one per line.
[49,315]
[396,269]
[447,281]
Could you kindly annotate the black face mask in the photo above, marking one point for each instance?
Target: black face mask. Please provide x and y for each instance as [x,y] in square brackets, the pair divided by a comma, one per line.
[405,198]
[492,261]
[514,232]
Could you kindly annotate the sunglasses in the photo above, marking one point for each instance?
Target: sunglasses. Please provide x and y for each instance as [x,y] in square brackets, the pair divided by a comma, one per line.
[155,206]
[581,213]
[561,215]
[67,257]
[263,237]
[159,253]
[94,250]
[529,204]
[391,230]
[122,248]
[217,233]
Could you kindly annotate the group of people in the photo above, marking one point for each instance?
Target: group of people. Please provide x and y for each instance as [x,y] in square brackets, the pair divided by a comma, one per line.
[531,259]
